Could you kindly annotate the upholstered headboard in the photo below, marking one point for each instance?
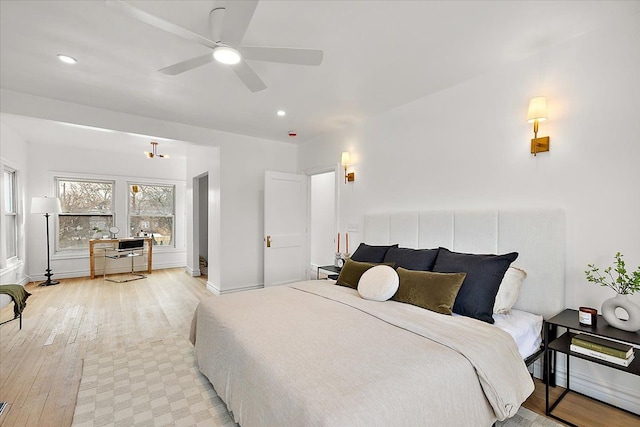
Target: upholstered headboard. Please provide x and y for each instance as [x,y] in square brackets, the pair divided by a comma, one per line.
[537,235]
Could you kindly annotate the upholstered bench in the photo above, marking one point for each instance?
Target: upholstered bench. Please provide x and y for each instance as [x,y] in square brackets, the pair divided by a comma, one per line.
[18,295]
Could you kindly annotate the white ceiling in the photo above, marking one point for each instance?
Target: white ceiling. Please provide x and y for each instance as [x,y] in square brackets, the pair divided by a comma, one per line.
[377,55]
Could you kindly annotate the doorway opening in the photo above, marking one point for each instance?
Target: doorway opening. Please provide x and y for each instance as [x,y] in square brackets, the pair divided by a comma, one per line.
[201,203]
[322,220]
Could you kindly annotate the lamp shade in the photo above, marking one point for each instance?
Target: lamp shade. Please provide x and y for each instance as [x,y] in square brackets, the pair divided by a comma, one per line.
[537,109]
[42,205]
[346,158]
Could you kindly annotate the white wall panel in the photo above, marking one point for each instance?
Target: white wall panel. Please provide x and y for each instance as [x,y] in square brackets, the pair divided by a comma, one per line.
[476,232]
[376,230]
[403,229]
[436,230]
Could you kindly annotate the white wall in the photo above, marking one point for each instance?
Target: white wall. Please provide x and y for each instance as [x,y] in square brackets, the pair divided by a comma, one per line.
[243,164]
[236,206]
[13,153]
[468,147]
[201,161]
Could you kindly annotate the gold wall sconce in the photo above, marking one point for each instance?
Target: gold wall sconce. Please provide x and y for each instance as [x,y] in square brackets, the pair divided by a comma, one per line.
[346,159]
[538,113]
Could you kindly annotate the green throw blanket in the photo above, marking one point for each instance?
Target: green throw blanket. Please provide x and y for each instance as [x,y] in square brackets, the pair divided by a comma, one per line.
[19,296]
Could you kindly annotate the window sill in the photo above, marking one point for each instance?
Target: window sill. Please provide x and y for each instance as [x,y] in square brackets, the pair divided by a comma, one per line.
[71,255]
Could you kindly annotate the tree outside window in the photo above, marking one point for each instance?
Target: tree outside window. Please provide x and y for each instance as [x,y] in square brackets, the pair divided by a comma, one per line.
[87,211]
[151,212]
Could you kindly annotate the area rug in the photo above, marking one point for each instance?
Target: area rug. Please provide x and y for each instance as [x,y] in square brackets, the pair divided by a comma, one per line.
[158,384]
[152,384]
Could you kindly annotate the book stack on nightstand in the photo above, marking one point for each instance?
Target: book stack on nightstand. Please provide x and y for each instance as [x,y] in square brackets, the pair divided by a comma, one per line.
[604,349]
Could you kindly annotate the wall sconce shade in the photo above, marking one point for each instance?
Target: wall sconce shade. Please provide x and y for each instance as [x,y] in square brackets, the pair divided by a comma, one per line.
[346,159]
[536,113]
[537,110]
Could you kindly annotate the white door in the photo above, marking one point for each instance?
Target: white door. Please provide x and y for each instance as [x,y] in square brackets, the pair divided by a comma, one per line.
[285,201]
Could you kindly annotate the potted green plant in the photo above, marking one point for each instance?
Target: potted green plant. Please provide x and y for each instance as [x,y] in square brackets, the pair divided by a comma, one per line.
[624,283]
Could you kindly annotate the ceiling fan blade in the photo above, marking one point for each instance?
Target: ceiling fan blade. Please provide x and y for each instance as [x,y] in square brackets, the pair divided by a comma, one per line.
[248,76]
[237,16]
[285,55]
[187,65]
[160,23]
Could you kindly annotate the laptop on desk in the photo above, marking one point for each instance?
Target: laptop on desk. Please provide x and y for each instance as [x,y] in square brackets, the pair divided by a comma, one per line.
[130,244]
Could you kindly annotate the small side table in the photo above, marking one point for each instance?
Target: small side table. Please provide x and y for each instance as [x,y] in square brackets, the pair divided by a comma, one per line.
[569,319]
[331,270]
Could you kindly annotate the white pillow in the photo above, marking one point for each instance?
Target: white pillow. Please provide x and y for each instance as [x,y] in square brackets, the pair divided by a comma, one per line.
[509,290]
[378,283]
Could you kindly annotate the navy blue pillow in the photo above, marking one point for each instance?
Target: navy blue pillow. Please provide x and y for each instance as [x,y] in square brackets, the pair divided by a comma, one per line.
[368,253]
[478,292]
[412,259]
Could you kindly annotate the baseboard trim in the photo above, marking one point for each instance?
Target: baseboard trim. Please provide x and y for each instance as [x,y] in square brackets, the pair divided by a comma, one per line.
[216,289]
[86,273]
[191,272]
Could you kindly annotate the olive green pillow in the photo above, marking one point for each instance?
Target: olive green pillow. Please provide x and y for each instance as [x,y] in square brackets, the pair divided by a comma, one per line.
[433,291]
[353,270]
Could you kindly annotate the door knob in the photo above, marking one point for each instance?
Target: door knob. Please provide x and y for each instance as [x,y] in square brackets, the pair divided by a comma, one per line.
[268,241]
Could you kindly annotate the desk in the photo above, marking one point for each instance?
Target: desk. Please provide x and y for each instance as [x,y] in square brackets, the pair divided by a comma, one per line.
[114,244]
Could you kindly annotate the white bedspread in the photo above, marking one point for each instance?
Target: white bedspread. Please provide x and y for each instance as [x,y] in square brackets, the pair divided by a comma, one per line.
[313,354]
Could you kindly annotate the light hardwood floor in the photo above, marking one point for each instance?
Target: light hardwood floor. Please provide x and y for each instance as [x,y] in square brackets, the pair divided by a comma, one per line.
[41,365]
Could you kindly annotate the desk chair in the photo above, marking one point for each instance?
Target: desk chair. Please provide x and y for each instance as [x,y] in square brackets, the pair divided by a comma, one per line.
[129,248]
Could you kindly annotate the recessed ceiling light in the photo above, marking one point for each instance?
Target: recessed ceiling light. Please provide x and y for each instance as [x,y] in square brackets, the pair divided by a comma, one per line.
[226,55]
[281,113]
[67,59]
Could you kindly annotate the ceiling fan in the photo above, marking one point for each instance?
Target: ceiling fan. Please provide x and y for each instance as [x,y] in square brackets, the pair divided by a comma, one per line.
[228,26]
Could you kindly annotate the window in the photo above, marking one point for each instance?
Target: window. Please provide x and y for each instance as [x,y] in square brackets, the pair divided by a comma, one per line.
[151,212]
[10,211]
[87,210]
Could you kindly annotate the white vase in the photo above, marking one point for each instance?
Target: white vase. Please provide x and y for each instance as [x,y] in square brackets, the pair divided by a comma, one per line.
[622,301]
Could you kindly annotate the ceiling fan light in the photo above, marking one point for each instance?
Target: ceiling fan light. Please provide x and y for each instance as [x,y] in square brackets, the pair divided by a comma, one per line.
[67,59]
[226,55]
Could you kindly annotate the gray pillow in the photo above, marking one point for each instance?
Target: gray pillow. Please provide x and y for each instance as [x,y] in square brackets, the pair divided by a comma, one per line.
[412,259]
[369,253]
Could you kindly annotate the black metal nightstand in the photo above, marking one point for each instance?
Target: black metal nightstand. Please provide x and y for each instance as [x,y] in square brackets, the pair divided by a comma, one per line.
[331,270]
[569,319]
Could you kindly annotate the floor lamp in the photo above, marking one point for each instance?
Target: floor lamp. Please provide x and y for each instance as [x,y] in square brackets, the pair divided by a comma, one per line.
[46,206]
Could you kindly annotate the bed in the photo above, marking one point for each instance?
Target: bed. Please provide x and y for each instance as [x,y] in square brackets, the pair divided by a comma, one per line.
[316,354]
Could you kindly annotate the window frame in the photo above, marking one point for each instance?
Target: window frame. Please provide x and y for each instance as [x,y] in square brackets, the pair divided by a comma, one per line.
[57,179]
[13,197]
[173,186]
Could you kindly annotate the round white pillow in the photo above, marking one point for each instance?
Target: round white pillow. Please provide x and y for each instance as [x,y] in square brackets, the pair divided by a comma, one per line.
[378,283]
